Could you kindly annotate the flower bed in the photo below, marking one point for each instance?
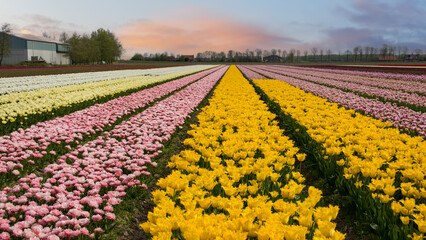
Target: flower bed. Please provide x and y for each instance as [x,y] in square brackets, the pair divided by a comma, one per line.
[412,100]
[401,117]
[237,178]
[27,108]
[396,84]
[380,167]
[376,72]
[21,84]
[22,149]
[78,195]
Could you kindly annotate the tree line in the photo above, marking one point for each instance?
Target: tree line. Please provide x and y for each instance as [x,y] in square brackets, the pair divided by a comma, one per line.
[101,46]
[357,54]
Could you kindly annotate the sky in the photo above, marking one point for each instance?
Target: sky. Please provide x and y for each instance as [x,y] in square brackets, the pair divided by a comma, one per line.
[191,26]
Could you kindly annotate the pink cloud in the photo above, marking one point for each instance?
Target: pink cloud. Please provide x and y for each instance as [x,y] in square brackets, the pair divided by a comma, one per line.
[196,34]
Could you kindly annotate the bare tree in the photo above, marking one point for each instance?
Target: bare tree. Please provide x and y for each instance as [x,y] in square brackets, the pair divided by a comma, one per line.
[284,55]
[306,55]
[348,52]
[374,52]
[230,55]
[291,55]
[384,50]
[329,55]
[392,50]
[63,37]
[258,54]
[222,56]
[298,55]
[274,51]
[5,42]
[314,52]
[45,35]
[418,51]
[399,52]
[367,51]
[404,50]
[356,50]
[321,54]
[279,52]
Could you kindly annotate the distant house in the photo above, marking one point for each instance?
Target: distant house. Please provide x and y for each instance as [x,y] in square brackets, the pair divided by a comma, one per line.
[272,58]
[188,58]
[37,49]
[387,58]
[412,57]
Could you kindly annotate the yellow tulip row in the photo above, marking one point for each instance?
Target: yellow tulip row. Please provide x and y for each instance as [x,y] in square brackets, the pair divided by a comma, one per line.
[237,179]
[377,159]
[22,104]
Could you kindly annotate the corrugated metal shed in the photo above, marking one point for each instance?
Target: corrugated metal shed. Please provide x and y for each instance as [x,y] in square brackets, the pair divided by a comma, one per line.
[29,47]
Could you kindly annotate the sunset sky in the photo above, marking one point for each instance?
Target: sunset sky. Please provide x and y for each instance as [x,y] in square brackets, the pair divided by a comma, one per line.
[189,26]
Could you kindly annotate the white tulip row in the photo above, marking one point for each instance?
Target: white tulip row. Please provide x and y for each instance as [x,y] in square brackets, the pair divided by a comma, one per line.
[40,101]
[22,84]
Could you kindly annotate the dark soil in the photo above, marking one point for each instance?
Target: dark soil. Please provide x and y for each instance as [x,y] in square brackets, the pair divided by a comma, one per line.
[32,71]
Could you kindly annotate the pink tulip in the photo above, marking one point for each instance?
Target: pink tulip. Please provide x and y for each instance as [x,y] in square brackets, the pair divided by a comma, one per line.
[4,236]
[110,216]
[94,167]
[97,218]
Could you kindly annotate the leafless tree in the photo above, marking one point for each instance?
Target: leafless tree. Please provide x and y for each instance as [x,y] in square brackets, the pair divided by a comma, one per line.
[291,55]
[366,51]
[348,52]
[404,50]
[63,37]
[314,52]
[258,54]
[5,42]
[329,55]
[384,50]
[418,51]
[356,50]
[374,52]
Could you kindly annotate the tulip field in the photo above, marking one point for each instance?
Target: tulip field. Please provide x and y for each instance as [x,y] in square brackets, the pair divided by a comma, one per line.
[74,147]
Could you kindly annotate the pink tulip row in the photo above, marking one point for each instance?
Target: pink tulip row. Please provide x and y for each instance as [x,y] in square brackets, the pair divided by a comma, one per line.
[388,94]
[396,84]
[401,117]
[78,197]
[250,74]
[32,145]
[405,77]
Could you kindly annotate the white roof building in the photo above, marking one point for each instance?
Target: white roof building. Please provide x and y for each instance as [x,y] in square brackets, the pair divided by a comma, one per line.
[32,48]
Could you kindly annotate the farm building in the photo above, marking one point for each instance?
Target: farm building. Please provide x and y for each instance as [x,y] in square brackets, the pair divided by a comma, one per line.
[36,49]
[189,58]
[272,58]
[387,58]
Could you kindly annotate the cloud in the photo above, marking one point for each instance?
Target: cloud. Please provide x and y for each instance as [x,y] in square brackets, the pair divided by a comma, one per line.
[377,14]
[374,23]
[37,24]
[198,33]
[347,38]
